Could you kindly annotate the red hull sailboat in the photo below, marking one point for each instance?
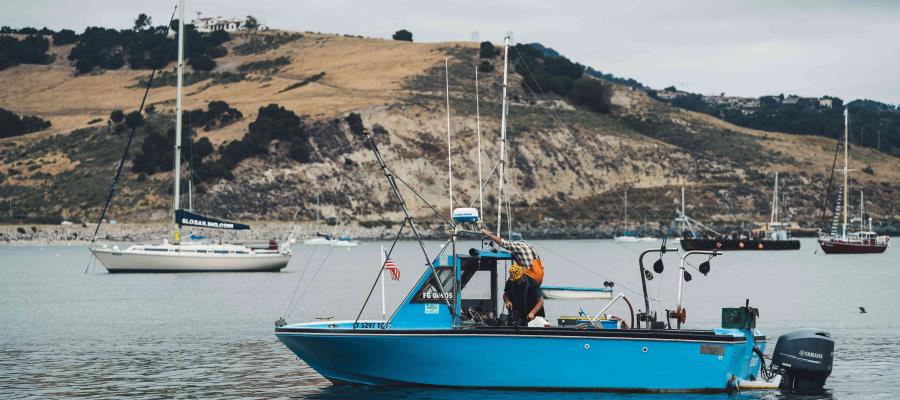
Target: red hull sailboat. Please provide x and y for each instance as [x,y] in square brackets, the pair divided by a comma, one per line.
[838,241]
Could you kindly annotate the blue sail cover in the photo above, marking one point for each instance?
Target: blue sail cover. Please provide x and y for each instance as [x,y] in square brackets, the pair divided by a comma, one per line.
[184,217]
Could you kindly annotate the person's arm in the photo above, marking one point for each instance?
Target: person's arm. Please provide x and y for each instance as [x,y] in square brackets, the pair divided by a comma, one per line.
[506,302]
[490,235]
[537,306]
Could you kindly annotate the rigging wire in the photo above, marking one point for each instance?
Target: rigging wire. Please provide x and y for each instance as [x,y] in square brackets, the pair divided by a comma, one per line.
[115,182]
[311,280]
[300,281]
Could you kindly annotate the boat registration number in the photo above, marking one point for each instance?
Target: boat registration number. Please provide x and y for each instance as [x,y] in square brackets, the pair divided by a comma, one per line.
[369,325]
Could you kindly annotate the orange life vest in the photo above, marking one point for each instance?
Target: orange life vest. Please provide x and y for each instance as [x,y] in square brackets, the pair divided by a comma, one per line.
[536,271]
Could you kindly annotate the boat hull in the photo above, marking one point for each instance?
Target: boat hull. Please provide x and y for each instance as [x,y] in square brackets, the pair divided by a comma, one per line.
[837,247]
[527,358]
[739,244]
[123,261]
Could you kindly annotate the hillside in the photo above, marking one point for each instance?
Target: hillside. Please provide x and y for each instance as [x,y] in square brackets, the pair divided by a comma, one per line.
[569,166]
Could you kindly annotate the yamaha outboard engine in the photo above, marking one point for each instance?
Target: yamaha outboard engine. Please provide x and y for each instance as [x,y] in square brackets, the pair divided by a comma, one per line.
[803,358]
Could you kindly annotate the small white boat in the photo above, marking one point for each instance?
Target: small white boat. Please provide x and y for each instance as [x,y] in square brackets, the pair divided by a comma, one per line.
[576,293]
[328,240]
[203,257]
[629,236]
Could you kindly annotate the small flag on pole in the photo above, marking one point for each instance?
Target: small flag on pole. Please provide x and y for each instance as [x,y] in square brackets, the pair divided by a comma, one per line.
[393,268]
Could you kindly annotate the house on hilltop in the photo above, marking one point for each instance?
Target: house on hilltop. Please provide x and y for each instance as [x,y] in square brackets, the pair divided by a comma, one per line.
[211,24]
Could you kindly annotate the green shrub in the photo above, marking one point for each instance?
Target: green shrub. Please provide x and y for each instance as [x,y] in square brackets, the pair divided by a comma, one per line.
[403,35]
[13,125]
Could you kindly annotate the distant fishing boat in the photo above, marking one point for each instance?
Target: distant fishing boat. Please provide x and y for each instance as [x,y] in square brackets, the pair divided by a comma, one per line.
[443,335]
[839,241]
[777,236]
[629,235]
[191,256]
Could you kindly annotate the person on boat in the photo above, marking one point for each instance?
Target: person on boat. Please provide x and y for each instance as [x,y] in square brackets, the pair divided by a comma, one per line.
[522,296]
[523,254]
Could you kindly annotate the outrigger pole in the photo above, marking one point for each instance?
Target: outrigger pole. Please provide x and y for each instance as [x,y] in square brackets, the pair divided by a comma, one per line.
[370,141]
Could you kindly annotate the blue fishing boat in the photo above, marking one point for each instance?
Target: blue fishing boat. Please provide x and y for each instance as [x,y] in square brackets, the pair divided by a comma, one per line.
[443,335]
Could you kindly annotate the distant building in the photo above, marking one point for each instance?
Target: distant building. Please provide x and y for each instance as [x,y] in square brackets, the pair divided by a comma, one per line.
[211,24]
[826,103]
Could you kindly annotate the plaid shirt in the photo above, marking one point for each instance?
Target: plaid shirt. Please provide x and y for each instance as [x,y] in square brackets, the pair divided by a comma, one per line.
[522,253]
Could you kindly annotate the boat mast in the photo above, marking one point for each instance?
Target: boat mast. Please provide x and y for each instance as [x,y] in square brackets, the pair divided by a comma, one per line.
[478,133]
[846,170]
[177,171]
[503,137]
[626,209]
[683,217]
[449,154]
[775,202]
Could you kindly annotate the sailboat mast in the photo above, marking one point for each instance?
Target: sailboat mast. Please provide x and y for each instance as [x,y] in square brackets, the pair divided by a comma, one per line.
[478,133]
[177,171]
[449,154]
[846,170]
[626,208]
[503,137]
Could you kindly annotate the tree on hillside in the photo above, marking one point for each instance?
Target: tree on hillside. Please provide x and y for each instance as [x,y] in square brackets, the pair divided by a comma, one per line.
[403,35]
[202,62]
[487,50]
[252,23]
[64,36]
[116,116]
[590,93]
[142,22]
[134,119]
[14,125]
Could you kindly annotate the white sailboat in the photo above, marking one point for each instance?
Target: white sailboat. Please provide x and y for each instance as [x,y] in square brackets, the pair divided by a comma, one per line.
[191,257]
[630,235]
[322,239]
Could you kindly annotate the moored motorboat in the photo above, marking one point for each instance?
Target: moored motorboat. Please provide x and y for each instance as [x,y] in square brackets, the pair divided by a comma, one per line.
[443,335]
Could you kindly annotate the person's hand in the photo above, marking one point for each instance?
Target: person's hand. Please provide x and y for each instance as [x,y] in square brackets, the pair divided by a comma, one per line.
[531,316]
[509,305]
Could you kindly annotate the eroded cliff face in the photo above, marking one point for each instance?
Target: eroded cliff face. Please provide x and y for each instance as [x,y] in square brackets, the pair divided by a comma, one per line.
[566,166]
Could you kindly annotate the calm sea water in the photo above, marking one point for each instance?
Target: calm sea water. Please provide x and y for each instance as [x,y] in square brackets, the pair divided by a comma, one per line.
[66,333]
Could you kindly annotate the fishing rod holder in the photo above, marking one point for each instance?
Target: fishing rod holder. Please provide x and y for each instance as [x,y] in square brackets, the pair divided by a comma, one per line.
[646,275]
[683,276]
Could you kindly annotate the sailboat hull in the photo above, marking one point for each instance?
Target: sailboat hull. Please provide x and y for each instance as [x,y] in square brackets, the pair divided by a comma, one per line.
[840,247]
[127,261]
[529,358]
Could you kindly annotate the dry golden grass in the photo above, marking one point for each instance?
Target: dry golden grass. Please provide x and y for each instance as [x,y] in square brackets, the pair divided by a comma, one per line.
[359,73]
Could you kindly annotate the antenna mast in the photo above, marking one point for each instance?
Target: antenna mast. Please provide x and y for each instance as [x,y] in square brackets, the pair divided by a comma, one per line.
[503,137]
[478,132]
[449,154]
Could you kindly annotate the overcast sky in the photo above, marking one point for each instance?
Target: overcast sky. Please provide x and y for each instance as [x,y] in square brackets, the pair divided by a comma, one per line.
[747,48]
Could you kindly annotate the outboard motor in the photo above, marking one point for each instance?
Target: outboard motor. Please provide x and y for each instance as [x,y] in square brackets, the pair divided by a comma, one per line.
[803,358]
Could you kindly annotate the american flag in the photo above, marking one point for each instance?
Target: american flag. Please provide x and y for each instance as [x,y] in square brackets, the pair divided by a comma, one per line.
[393,268]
